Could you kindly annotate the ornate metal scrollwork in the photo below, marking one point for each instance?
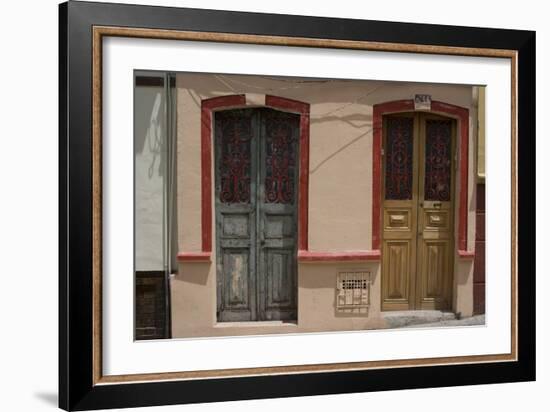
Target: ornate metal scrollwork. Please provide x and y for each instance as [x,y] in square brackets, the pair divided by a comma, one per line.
[280,158]
[399,158]
[437,175]
[235,157]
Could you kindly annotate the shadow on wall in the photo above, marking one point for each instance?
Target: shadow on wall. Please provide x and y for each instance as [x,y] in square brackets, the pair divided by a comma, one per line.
[347,145]
[356,121]
[149,127]
[49,398]
[196,273]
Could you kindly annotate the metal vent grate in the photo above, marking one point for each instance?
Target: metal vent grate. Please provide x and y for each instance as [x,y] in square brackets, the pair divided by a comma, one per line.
[353,291]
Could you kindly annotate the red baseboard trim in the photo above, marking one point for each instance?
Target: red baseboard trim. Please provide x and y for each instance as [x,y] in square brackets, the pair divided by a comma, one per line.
[194,256]
[305,256]
[466,254]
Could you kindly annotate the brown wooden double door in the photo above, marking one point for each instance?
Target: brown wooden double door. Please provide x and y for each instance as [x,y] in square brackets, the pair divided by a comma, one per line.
[418,203]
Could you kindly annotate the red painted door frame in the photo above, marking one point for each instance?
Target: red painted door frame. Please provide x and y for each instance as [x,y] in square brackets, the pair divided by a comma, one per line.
[208,106]
[461,114]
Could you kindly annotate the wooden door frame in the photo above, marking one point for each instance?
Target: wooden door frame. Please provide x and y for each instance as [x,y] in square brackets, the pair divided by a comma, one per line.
[225,311]
[416,225]
[458,149]
[269,246]
[221,103]
[390,206]
[462,116]
[423,117]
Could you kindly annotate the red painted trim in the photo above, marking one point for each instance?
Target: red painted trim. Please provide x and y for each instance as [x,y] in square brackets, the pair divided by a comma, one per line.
[344,256]
[376,180]
[280,103]
[194,256]
[302,109]
[466,254]
[288,105]
[462,115]
[207,107]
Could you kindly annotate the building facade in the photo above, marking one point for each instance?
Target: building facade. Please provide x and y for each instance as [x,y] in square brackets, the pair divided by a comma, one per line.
[308,205]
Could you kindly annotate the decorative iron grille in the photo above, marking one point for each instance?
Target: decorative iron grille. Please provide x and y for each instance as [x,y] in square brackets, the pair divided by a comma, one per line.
[234,138]
[437,180]
[353,291]
[280,157]
[399,158]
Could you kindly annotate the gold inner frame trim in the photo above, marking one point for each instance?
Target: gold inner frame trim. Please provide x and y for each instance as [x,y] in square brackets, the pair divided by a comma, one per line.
[101,31]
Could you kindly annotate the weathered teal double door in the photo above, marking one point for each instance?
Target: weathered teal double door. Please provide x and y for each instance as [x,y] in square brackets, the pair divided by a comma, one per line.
[256,169]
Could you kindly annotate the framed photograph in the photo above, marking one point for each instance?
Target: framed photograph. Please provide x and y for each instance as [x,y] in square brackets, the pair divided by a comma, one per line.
[256,205]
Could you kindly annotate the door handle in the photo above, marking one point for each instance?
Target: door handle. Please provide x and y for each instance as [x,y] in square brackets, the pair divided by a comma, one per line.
[435,205]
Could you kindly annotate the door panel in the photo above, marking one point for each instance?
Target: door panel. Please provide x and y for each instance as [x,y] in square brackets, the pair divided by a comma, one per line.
[434,269]
[277,215]
[279,283]
[235,215]
[236,273]
[279,226]
[418,212]
[436,212]
[256,202]
[397,261]
[399,225]
[236,225]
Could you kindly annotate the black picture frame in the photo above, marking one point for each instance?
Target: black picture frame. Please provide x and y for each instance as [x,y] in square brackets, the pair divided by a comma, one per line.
[77,390]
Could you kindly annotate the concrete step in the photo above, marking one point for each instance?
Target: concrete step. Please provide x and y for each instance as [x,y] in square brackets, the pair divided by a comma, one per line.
[403,318]
[476,320]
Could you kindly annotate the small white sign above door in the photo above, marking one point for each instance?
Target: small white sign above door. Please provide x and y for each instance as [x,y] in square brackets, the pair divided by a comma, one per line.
[422,102]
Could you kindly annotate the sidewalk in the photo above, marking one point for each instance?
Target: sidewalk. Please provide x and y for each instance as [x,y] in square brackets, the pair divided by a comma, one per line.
[428,318]
[471,321]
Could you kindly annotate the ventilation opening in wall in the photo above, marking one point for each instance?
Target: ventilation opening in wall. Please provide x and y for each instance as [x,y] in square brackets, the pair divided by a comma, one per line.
[353,292]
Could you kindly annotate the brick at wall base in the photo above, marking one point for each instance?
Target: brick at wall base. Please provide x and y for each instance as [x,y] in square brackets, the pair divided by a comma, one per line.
[479,261]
